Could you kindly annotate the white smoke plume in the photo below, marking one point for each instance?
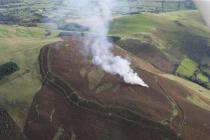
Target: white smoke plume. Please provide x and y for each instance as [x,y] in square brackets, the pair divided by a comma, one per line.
[204,8]
[98,14]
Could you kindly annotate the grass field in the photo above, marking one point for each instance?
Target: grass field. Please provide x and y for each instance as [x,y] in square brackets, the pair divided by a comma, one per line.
[128,25]
[187,68]
[203,78]
[21,45]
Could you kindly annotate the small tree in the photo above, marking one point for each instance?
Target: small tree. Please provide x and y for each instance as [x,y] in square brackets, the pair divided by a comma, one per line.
[8,68]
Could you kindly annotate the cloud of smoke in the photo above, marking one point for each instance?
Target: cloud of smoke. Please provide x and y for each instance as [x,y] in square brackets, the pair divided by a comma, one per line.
[204,8]
[98,14]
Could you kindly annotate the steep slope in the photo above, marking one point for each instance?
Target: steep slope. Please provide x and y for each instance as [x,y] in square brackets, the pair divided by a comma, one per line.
[80,101]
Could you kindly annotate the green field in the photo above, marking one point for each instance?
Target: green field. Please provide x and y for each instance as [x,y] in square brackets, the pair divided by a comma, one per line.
[21,45]
[128,25]
[190,70]
[187,68]
[203,78]
[206,70]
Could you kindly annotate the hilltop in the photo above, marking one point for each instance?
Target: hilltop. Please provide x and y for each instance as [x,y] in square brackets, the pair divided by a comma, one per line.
[80,100]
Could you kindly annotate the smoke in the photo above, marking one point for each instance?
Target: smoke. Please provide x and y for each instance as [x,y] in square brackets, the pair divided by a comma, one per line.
[97,15]
[204,8]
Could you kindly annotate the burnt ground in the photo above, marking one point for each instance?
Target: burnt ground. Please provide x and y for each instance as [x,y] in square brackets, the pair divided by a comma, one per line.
[148,52]
[8,128]
[79,101]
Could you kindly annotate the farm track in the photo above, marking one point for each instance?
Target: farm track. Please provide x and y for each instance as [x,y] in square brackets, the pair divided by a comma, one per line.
[109,111]
[178,107]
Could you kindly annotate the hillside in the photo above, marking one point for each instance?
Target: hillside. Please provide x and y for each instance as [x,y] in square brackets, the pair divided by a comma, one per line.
[170,41]
[76,94]
[21,45]
[169,50]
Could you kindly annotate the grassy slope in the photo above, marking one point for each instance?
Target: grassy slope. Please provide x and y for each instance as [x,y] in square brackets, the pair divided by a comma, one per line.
[147,22]
[176,34]
[21,45]
[162,26]
[167,32]
[164,32]
[129,25]
[198,91]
